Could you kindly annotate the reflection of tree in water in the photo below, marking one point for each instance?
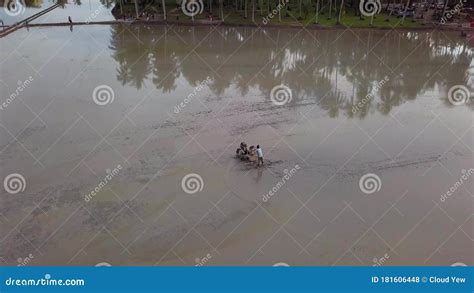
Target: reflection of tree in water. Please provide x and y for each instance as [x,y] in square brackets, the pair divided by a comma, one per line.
[165,70]
[132,51]
[334,69]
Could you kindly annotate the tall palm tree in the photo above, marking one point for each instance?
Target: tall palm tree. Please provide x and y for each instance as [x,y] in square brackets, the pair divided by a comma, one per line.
[340,12]
[330,9]
[245,8]
[221,9]
[279,10]
[299,6]
[444,10]
[317,11]
[164,9]
[405,11]
[136,8]
[253,10]
[390,4]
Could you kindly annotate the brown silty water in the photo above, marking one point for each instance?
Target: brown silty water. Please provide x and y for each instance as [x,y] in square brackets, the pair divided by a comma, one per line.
[359,102]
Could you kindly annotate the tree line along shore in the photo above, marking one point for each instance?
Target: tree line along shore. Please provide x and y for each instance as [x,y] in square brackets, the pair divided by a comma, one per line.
[353,13]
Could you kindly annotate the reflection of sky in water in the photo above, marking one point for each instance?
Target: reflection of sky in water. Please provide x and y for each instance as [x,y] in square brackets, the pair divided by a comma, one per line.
[31,8]
[92,10]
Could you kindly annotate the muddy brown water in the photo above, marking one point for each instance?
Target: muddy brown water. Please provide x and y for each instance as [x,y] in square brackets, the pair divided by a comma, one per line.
[183,100]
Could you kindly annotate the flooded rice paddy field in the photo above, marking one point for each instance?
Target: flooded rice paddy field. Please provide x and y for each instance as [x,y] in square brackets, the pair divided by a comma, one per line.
[172,101]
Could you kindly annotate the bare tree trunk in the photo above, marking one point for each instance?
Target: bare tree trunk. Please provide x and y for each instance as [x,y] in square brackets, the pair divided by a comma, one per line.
[279,10]
[330,8]
[405,11]
[245,8]
[253,10]
[317,11]
[388,6]
[136,8]
[164,9]
[357,10]
[340,12]
[221,9]
[444,10]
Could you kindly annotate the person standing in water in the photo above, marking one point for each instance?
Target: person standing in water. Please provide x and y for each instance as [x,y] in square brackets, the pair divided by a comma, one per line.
[259,156]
